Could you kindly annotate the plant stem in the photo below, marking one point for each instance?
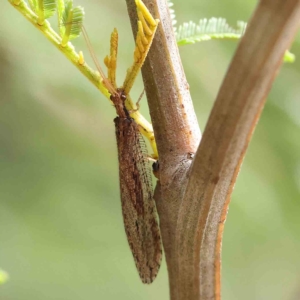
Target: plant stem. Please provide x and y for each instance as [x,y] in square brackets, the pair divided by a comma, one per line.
[192,202]
[174,121]
[94,77]
[225,140]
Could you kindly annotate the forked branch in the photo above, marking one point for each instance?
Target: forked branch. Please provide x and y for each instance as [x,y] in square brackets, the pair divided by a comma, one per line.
[193,205]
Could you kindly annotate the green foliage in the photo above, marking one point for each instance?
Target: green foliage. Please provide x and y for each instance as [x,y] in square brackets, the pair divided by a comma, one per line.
[60,10]
[43,8]
[72,19]
[207,29]
[69,19]
[49,8]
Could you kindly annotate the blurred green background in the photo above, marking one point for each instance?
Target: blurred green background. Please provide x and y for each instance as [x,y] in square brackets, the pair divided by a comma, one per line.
[61,231]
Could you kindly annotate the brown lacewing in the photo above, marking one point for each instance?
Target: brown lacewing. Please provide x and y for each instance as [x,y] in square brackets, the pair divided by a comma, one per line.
[138,205]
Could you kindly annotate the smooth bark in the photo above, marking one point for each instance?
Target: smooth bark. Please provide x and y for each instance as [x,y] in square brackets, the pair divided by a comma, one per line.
[193,197]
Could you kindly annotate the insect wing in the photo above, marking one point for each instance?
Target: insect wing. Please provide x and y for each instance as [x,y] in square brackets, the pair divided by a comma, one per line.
[138,206]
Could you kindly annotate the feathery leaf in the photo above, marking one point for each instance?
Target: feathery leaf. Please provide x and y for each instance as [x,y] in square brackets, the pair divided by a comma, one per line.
[49,8]
[72,19]
[60,10]
[43,8]
[207,29]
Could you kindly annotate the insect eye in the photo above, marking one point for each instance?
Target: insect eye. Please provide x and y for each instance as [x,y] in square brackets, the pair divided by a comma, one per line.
[123,97]
[155,166]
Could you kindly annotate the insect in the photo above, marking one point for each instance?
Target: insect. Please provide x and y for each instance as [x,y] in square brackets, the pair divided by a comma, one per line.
[138,205]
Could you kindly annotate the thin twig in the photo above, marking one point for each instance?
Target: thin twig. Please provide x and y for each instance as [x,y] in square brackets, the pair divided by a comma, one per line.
[77,60]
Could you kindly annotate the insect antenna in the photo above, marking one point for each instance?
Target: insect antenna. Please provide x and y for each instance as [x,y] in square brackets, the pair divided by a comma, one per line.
[106,82]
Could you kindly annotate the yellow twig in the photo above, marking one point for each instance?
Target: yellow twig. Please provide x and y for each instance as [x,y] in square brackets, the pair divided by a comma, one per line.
[68,51]
[81,60]
[147,26]
[111,60]
[96,79]
[146,13]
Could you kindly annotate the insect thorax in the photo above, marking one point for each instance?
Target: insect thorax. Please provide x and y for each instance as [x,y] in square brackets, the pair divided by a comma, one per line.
[118,99]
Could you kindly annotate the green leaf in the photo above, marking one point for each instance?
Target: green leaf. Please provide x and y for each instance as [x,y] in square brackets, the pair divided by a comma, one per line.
[49,8]
[190,33]
[43,8]
[72,19]
[207,29]
[60,10]
[77,20]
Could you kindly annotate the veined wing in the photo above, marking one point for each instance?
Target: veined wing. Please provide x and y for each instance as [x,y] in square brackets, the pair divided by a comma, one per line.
[138,206]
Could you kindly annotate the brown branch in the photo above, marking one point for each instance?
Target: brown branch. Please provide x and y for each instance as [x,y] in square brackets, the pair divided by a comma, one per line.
[193,206]
[224,143]
[173,117]
[174,121]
